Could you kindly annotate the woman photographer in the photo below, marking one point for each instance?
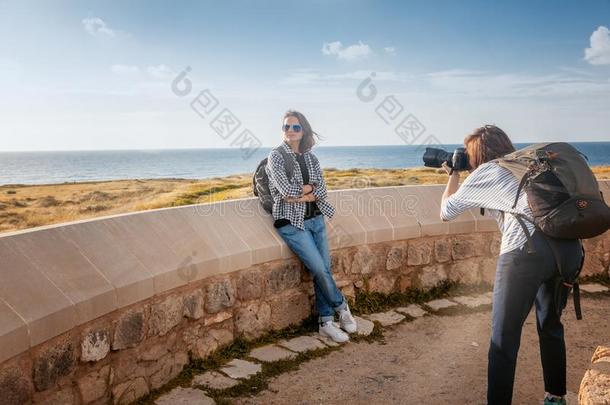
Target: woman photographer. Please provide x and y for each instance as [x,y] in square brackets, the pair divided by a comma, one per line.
[522,279]
[299,206]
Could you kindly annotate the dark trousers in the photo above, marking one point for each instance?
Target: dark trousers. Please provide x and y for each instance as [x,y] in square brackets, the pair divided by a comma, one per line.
[523,279]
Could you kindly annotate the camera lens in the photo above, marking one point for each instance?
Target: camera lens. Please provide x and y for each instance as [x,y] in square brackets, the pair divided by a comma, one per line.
[434,157]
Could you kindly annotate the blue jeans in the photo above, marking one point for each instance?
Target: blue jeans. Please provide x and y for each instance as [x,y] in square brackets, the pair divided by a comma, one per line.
[311,246]
[522,280]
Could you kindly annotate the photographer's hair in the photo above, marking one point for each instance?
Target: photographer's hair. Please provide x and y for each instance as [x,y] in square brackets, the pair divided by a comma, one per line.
[308,140]
[487,143]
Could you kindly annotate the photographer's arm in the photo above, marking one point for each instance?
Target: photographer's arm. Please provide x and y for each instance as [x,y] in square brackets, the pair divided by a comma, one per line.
[453,184]
[476,190]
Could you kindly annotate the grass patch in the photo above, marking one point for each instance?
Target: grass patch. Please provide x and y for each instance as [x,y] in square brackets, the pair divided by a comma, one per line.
[205,194]
[365,303]
[603,279]
[375,336]
[239,348]
[368,302]
[260,381]
[461,310]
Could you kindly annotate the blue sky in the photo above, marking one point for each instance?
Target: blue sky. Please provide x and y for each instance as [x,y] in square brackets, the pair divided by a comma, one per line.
[97,75]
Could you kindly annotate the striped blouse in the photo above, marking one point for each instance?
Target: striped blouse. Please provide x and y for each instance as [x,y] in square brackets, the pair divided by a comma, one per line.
[494,188]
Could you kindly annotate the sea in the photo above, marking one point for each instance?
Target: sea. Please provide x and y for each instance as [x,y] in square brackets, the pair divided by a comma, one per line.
[77,166]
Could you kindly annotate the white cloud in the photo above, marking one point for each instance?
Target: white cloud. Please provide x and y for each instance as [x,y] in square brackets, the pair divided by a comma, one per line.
[97,27]
[515,85]
[311,76]
[161,72]
[351,52]
[462,83]
[599,52]
[125,70]
[390,50]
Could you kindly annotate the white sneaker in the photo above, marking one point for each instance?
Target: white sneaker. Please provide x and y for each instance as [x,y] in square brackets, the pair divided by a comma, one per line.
[347,321]
[330,330]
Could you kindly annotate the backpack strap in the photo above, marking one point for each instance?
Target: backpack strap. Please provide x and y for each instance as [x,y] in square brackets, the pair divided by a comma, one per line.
[569,283]
[530,242]
[287,162]
[521,184]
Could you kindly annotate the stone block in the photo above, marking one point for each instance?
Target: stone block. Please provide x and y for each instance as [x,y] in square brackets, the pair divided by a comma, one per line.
[164,369]
[62,396]
[593,288]
[129,391]
[184,396]
[282,276]
[15,386]
[165,315]
[494,245]
[94,386]
[289,309]
[442,250]
[218,317]
[326,340]
[211,340]
[129,329]
[250,284]
[419,252]
[466,271]
[214,380]
[271,353]
[386,318]
[368,259]
[193,304]
[430,276]
[126,367]
[220,295]
[365,327]
[382,282]
[464,247]
[55,361]
[473,302]
[241,368]
[302,344]
[397,256]
[341,260]
[414,311]
[253,320]
[487,269]
[439,304]
[95,345]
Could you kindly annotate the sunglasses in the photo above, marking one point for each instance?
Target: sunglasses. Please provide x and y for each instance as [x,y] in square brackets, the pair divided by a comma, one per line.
[295,127]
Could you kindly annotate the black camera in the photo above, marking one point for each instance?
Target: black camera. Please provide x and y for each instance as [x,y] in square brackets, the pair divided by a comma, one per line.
[458,160]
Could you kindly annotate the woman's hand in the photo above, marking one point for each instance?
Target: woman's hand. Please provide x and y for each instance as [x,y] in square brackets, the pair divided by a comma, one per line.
[307,188]
[306,198]
[445,166]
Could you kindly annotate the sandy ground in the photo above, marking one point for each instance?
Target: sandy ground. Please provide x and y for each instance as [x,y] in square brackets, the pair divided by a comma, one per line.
[436,360]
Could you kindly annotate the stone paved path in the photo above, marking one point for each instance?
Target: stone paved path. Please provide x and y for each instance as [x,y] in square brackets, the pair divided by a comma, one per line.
[434,359]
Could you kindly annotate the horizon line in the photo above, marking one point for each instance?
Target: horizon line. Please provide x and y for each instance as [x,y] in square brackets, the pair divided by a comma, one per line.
[262,146]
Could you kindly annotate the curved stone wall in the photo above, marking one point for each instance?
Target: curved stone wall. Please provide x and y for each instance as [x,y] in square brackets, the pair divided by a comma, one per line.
[107,309]
[595,385]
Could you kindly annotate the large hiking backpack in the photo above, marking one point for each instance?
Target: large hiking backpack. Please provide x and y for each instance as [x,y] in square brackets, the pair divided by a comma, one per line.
[260,180]
[564,197]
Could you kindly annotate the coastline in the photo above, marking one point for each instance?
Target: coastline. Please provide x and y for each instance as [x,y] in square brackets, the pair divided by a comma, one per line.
[27,206]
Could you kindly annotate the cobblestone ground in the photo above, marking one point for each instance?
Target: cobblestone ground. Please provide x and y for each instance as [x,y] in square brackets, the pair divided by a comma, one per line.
[434,360]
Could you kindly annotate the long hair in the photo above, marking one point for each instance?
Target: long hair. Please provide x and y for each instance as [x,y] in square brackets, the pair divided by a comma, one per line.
[487,143]
[308,140]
